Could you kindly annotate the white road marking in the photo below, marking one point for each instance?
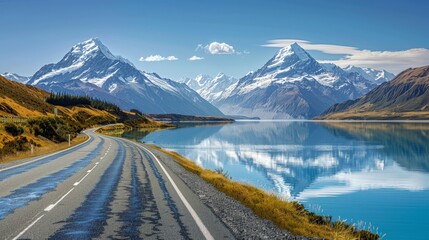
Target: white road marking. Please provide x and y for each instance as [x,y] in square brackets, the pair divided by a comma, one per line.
[26,229]
[50,207]
[35,160]
[86,175]
[194,215]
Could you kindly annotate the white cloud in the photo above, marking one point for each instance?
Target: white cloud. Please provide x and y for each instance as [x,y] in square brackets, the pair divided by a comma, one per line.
[157,58]
[195,58]
[394,61]
[218,48]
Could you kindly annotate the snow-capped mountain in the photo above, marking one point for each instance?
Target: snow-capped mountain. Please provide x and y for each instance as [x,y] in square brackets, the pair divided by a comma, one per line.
[211,88]
[292,84]
[89,68]
[377,76]
[15,77]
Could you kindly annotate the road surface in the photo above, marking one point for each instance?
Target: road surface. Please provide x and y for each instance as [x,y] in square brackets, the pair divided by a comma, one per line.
[103,188]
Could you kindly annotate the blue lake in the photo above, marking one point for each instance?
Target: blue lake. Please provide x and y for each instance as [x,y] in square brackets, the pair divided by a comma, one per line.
[375,175]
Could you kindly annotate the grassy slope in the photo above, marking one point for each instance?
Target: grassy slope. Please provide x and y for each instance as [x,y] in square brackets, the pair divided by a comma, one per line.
[17,99]
[285,214]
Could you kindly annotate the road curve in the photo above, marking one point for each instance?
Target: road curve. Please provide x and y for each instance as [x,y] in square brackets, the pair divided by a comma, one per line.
[104,188]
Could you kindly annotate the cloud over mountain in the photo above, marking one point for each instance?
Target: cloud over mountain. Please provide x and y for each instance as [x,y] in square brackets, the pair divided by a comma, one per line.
[394,61]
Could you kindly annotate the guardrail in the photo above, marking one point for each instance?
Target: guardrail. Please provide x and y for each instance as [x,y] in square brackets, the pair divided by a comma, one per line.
[12,119]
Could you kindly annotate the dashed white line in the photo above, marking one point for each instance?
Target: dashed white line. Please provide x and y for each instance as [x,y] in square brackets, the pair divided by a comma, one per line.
[50,207]
[28,227]
[86,175]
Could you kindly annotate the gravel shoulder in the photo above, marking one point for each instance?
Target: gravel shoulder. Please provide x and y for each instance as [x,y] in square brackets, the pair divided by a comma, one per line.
[241,221]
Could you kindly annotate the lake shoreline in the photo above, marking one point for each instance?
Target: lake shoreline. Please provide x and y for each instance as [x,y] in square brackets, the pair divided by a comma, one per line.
[362,171]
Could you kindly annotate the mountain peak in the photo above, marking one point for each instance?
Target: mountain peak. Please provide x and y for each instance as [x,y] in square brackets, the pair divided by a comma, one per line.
[290,54]
[296,49]
[91,47]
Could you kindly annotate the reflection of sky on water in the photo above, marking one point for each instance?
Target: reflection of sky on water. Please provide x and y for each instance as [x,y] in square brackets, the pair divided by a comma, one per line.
[302,159]
[374,172]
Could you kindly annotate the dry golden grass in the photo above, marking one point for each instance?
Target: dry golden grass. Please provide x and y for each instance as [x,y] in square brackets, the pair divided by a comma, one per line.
[382,126]
[285,214]
[114,129]
[47,148]
[119,128]
[378,115]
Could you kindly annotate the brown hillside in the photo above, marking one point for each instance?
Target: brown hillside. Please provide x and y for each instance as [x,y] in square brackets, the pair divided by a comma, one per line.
[405,97]
[17,99]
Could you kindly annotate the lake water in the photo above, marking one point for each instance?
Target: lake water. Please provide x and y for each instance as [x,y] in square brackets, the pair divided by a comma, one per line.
[375,175]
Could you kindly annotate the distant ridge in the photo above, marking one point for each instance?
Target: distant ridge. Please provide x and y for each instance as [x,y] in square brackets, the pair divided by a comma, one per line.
[405,97]
[16,77]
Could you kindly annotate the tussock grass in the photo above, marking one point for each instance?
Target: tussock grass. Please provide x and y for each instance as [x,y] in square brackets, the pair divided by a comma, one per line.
[288,215]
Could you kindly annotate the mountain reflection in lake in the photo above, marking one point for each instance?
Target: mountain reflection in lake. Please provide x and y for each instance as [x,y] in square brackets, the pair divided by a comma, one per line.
[368,173]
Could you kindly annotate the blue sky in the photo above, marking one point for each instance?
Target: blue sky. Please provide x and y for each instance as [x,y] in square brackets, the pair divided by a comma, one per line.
[381,34]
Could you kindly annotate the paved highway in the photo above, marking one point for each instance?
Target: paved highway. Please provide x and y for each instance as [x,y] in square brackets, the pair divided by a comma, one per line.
[103,188]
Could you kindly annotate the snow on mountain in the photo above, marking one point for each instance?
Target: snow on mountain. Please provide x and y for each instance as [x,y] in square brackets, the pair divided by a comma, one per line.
[15,77]
[211,88]
[377,76]
[89,68]
[292,84]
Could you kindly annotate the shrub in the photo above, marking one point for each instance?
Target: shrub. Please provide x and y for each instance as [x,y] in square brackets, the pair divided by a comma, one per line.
[13,129]
[17,144]
[54,129]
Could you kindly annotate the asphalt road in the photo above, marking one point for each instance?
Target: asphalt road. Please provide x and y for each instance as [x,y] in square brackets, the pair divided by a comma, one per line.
[103,188]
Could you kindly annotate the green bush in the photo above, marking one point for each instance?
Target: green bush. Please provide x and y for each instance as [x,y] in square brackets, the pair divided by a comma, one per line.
[54,129]
[13,129]
[17,144]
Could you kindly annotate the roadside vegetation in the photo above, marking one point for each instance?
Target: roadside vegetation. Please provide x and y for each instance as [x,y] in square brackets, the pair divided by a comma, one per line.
[33,119]
[288,215]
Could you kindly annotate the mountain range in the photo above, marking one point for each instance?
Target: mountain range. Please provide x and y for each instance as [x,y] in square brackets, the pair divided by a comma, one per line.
[211,88]
[89,68]
[15,77]
[292,84]
[405,97]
